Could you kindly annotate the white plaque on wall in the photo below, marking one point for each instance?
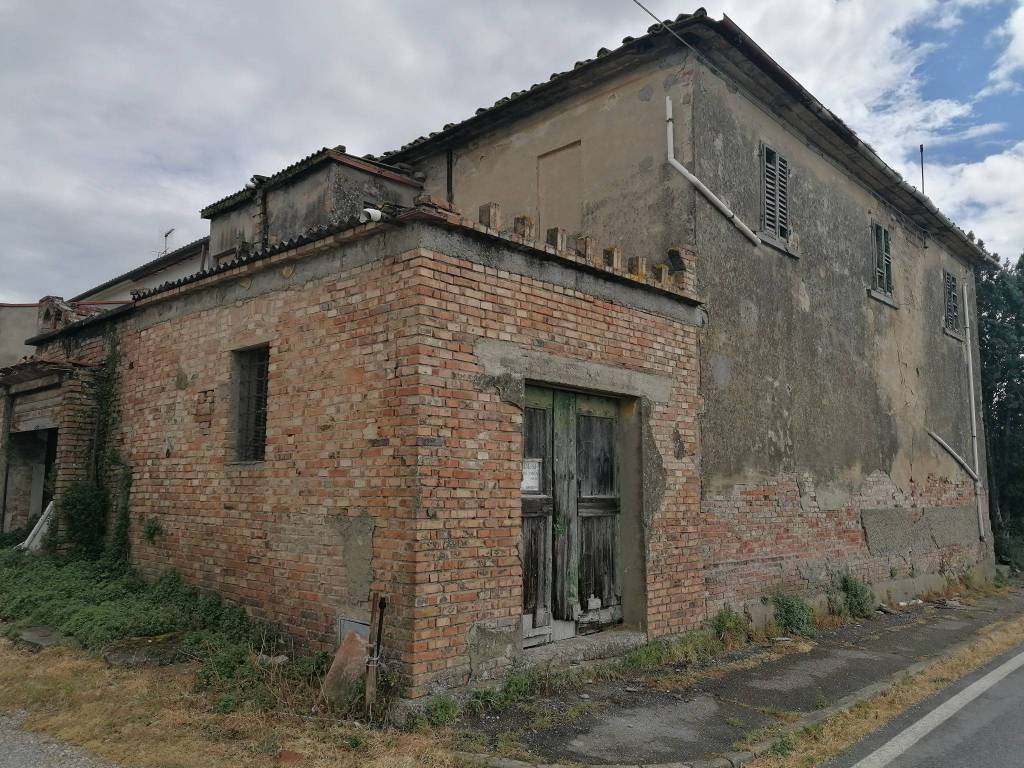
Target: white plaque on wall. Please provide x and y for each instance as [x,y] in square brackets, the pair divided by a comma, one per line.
[531,475]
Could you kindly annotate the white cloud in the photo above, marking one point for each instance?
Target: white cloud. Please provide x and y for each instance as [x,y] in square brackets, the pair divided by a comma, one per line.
[857,58]
[123,120]
[1011,61]
[988,195]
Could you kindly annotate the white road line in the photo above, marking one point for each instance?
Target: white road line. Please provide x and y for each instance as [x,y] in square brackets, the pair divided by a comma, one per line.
[913,734]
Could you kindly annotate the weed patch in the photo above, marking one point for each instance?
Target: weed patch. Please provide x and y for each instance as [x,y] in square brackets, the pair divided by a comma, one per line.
[690,648]
[99,605]
[858,597]
[793,614]
[730,627]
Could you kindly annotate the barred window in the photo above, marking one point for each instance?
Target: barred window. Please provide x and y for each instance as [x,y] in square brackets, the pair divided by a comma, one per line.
[251,367]
[775,193]
[952,303]
[883,260]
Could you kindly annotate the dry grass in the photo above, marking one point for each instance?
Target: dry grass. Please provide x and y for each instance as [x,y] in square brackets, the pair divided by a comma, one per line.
[816,745]
[150,718]
[669,680]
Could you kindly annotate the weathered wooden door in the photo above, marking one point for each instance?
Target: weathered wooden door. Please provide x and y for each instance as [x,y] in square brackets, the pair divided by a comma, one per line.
[570,504]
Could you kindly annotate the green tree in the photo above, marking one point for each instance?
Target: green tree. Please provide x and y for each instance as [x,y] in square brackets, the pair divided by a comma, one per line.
[1001,338]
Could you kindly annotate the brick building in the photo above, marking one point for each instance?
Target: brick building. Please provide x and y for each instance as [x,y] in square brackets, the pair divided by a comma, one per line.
[540,374]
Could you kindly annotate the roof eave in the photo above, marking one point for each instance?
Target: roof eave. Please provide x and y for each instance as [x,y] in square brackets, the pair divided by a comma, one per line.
[935,222]
[510,108]
[305,165]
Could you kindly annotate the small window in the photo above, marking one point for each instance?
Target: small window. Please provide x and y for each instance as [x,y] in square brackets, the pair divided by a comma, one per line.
[251,367]
[775,197]
[952,303]
[883,260]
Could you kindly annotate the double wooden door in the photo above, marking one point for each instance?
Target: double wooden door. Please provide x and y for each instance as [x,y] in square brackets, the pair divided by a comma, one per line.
[571,505]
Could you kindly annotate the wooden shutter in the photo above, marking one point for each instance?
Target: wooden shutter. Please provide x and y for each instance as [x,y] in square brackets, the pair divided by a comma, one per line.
[883,259]
[775,185]
[783,201]
[887,261]
[952,303]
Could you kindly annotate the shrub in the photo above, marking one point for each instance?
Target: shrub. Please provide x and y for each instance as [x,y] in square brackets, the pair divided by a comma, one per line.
[793,614]
[1010,550]
[730,627]
[858,598]
[15,536]
[83,519]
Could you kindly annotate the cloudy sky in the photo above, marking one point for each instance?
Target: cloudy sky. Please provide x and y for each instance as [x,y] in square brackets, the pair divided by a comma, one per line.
[121,120]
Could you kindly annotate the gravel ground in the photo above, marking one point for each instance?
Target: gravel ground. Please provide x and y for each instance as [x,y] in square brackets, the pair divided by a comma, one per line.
[22,749]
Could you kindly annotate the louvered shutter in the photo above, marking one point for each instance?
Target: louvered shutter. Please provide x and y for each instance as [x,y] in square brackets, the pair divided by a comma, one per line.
[883,259]
[770,175]
[952,303]
[886,262]
[775,185]
[783,201]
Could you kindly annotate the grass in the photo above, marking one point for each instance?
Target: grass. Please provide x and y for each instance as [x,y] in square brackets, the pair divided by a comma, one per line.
[731,628]
[110,711]
[690,648]
[100,606]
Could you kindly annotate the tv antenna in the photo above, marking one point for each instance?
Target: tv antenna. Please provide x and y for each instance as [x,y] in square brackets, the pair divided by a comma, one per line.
[167,236]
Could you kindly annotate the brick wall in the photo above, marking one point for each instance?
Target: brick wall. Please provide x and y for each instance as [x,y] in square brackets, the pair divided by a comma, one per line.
[468,572]
[383,440]
[304,536]
[775,533]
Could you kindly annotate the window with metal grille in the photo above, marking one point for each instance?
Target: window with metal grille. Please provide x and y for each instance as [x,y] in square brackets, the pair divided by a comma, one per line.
[883,260]
[775,197]
[251,403]
[952,303]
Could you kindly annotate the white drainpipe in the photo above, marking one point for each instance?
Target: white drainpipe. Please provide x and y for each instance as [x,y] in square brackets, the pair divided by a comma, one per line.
[974,416]
[711,196]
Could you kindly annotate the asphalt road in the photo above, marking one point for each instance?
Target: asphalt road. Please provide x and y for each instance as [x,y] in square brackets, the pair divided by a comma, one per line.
[978,721]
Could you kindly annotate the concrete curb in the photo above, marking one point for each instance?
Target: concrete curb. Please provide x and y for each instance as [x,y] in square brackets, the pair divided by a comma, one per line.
[738,759]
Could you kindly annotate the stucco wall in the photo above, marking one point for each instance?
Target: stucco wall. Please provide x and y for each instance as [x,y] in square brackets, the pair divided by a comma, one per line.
[322,196]
[809,383]
[613,137]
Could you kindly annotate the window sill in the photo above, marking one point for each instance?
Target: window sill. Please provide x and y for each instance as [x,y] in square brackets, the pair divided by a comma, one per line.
[953,334]
[885,298]
[783,246]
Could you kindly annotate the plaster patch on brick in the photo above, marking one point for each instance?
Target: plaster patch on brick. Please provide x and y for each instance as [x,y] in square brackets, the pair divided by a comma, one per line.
[503,362]
[652,469]
[356,539]
[952,526]
[493,645]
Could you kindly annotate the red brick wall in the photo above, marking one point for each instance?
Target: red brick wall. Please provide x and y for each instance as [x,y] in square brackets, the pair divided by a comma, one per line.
[376,411]
[469,464]
[761,536]
[340,436]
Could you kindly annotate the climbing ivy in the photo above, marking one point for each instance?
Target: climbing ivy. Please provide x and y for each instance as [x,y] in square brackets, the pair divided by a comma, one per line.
[85,508]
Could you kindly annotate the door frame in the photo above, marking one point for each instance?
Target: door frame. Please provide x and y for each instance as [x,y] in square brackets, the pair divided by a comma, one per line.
[542,624]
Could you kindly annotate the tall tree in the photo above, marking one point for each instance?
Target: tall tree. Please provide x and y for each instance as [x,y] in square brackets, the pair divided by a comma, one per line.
[1001,338]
